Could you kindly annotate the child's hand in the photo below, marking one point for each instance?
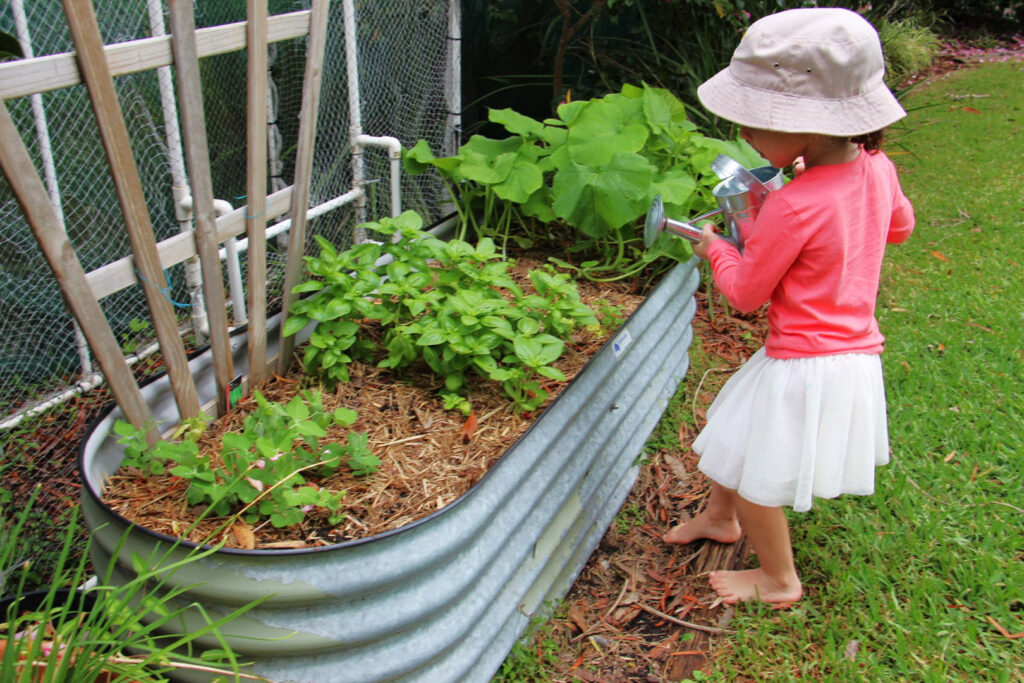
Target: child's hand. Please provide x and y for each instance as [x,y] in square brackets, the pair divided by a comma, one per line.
[707,236]
[799,166]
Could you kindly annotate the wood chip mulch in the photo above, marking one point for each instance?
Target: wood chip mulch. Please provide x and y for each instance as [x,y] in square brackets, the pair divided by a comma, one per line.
[641,609]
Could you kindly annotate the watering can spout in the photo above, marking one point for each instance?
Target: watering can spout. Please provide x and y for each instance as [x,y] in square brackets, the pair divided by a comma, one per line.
[657,222]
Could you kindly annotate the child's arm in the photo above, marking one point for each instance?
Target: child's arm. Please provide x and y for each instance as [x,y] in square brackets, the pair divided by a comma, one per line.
[902,223]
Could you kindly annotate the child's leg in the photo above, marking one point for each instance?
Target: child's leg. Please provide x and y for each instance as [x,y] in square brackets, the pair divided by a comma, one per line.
[716,521]
[776,580]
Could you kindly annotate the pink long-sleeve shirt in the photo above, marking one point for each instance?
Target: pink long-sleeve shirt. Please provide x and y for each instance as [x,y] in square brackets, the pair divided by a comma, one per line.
[815,253]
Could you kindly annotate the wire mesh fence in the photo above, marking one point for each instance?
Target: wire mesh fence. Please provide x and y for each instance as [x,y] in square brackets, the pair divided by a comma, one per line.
[403,58]
[404,68]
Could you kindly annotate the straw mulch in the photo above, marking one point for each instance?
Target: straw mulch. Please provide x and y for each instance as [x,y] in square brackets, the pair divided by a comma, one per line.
[430,456]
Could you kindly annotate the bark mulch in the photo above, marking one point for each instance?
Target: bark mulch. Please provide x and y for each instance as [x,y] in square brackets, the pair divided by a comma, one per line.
[641,609]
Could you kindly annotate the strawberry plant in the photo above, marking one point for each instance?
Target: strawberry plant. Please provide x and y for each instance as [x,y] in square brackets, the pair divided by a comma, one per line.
[451,304]
[259,473]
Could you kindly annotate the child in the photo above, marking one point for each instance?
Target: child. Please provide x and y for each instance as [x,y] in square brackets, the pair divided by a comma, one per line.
[805,416]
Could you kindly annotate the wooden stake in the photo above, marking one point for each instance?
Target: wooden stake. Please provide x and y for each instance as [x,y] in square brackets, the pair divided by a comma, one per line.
[256,189]
[46,225]
[193,120]
[92,64]
[303,170]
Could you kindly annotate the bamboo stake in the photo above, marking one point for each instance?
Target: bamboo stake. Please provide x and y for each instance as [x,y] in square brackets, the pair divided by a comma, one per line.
[53,240]
[256,188]
[303,169]
[197,154]
[92,64]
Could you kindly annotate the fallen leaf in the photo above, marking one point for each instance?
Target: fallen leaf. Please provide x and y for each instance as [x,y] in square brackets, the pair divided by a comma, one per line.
[468,430]
[676,466]
[852,648]
[1003,631]
[244,535]
[939,255]
[577,615]
[970,110]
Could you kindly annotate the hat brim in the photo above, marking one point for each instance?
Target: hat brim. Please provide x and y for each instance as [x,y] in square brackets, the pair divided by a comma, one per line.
[731,99]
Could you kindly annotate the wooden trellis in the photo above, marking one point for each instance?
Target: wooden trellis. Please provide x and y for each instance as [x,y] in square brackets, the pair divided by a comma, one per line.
[82,291]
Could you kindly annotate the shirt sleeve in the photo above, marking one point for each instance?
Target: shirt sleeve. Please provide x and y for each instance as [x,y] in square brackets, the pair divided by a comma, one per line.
[903,221]
[776,239]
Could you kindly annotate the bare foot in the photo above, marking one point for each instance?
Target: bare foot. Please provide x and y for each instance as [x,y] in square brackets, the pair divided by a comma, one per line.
[702,526]
[755,584]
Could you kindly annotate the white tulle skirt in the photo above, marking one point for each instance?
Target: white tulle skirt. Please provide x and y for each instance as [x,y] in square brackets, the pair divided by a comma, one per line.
[783,431]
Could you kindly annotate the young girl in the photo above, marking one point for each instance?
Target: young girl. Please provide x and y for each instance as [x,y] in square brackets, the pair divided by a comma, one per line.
[805,416]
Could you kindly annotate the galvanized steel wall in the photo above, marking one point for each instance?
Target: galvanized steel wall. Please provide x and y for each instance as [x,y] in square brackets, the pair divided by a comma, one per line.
[445,598]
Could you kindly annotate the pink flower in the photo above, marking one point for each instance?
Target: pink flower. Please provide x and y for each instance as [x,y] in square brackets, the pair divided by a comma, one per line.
[261,464]
[255,483]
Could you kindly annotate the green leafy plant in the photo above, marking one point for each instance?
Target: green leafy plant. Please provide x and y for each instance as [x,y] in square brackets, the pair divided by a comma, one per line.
[452,305]
[596,167]
[259,472]
[108,632]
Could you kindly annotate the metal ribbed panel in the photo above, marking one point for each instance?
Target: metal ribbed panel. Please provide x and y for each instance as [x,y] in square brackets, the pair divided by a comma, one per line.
[445,598]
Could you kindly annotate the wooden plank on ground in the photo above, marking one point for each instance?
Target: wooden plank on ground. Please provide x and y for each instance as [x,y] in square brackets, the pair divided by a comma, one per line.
[41,74]
[256,188]
[197,155]
[303,169]
[730,556]
[59,253]
[85,34]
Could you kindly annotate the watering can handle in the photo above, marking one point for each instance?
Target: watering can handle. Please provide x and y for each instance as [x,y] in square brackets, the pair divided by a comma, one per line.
[727,167]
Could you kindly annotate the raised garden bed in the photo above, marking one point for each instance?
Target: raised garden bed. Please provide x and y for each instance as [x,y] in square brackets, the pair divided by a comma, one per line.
[445,596]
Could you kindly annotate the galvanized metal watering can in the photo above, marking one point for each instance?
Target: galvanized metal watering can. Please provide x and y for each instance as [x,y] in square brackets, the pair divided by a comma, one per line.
[739,196]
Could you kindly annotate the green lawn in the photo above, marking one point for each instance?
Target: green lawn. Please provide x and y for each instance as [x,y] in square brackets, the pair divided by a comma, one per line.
[924,581]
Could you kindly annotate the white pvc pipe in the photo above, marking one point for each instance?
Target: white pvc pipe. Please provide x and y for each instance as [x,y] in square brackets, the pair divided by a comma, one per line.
[354,114]
[314,212]
[179,178]
[453,80]
[394,148]
[49,167]
[228,254]
[87,383]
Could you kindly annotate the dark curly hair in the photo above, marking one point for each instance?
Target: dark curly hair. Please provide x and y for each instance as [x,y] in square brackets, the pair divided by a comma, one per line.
[872,142]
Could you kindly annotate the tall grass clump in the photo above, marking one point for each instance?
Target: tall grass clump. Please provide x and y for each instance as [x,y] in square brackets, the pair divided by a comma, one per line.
[82,630]
[909,48]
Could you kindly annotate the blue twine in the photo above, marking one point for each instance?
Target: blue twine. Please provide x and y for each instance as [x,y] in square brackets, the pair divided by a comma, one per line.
[163,290]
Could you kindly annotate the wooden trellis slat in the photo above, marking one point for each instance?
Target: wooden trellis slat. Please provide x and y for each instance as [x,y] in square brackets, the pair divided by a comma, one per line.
[46,225]
[256,188]
[303,169]
[116,275]
[85,34]
[40,74]
[197,155]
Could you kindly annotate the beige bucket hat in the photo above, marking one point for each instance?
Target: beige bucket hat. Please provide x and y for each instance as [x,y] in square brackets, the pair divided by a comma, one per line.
[812,70]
